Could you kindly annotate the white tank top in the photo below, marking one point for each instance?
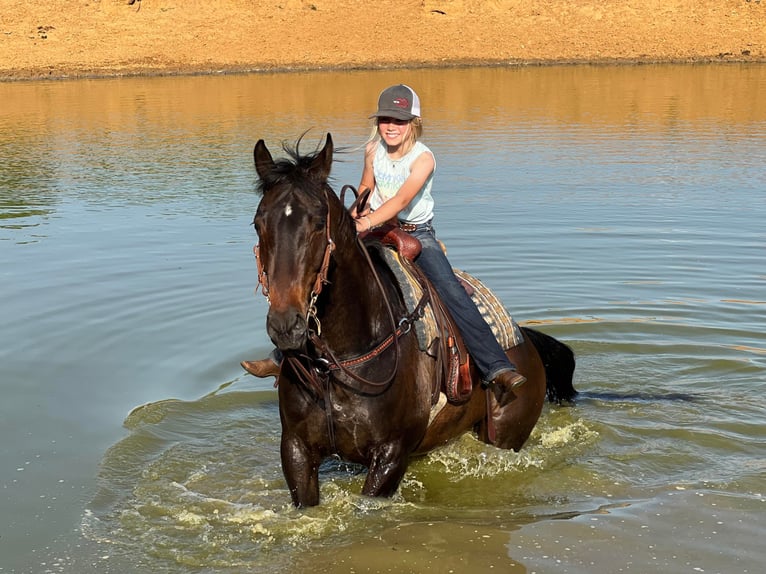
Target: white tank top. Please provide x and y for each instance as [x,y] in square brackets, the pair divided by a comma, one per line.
[390,175]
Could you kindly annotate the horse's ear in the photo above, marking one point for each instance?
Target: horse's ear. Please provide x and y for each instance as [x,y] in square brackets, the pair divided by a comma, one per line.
[264,163]
[322,165]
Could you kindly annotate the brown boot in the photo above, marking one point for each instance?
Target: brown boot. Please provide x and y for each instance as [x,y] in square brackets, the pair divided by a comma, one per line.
[263,368]
[511,379]
[504,384]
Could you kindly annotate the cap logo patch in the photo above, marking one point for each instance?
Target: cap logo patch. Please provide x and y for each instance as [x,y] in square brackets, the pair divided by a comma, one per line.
[402,103]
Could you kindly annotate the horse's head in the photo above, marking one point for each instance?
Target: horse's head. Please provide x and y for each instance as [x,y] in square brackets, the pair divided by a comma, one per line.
[293,225]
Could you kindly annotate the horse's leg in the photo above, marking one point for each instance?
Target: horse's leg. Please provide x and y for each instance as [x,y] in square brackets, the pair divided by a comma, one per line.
[389,463]
[300,466]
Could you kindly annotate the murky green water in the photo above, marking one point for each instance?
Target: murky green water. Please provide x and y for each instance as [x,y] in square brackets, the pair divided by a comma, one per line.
[621,208]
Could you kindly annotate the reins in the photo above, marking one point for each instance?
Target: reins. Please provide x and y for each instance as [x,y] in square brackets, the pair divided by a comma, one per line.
[398,330]
[332,362]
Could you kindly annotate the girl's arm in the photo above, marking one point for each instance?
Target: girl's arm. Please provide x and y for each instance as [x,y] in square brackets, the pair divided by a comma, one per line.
[420,171]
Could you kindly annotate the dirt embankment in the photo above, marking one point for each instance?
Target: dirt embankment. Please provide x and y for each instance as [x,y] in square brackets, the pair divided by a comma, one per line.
[55,38]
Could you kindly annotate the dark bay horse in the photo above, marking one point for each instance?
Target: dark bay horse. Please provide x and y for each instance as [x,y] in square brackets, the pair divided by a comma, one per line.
[354,382]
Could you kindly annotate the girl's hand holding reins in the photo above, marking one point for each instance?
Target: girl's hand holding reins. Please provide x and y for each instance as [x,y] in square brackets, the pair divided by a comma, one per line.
[363,223]
[356,213]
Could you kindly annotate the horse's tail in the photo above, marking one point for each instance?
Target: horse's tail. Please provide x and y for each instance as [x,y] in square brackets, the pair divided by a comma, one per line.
[559,362]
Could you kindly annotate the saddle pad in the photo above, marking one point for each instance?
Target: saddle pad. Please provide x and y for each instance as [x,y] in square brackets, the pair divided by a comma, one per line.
[425,329]
[503,326]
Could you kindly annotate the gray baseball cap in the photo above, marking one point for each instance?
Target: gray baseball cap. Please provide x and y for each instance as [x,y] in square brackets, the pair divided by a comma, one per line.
[400,102]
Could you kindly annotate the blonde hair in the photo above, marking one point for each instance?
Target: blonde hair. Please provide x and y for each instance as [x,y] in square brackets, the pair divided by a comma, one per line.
[415,133]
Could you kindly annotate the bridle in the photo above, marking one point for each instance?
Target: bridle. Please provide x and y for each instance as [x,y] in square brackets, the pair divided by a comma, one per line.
[317,376]
[319,282]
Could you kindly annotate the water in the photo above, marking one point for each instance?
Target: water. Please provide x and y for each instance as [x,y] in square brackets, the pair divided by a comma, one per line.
[620,209]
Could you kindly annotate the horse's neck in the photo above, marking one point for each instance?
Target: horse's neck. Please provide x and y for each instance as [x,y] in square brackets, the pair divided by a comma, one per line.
[355,314]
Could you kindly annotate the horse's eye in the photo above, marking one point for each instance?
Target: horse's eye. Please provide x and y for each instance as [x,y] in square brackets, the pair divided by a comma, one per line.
[319,225]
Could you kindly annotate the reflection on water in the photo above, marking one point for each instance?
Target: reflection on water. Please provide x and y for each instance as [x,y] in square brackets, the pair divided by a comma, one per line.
[645,97]
[27,194]
[618,208]
[124,138]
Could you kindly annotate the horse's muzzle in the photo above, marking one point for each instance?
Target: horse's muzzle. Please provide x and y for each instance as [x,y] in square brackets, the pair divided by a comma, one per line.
[287,329]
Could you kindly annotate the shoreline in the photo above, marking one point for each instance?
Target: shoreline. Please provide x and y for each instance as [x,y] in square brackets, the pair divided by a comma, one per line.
[115,73]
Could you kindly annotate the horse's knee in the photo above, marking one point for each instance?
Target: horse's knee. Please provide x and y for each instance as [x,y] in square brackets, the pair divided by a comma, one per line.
[386,471]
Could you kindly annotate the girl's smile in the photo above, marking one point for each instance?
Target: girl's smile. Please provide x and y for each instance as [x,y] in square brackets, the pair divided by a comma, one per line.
[394,133]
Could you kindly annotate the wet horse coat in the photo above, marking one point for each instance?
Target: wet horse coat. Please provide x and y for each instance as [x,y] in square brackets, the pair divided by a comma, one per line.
[354,382]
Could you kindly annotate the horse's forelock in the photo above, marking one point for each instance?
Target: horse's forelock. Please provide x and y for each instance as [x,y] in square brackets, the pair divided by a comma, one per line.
[296,170]
[280,173]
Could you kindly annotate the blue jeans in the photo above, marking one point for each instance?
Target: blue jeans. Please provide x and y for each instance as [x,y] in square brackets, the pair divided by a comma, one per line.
[486,352]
